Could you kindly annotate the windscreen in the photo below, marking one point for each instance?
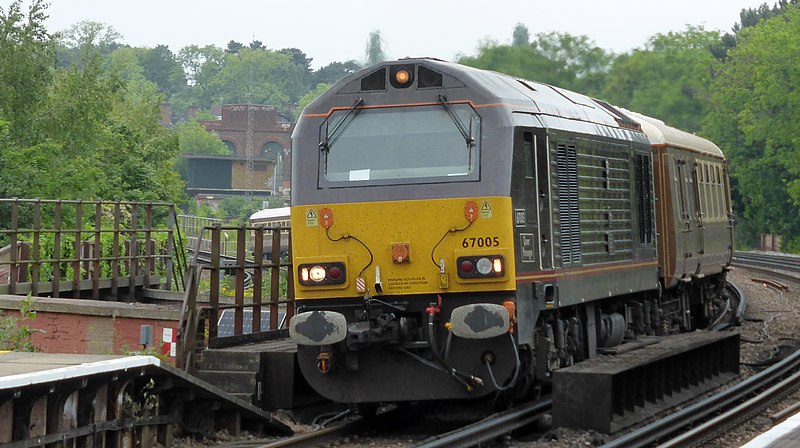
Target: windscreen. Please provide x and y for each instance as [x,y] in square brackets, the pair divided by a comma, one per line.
[400,145]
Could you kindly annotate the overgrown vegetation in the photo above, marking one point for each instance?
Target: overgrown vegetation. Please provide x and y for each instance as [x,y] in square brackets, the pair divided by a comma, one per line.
[16,334]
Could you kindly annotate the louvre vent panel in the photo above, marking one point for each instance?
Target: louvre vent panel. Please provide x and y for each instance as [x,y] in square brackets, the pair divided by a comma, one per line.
[568,204]
[596,187]
[643,198]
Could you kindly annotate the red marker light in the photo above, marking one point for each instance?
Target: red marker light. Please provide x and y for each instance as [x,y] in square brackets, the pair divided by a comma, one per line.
[467,266]
[334,272]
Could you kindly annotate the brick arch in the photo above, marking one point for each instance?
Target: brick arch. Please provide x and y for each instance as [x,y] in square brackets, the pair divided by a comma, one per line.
[231,145]
[272,140]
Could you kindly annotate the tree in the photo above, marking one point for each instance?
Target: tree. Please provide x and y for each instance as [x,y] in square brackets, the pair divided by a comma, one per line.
[748,18]
[193,138]
[754,118]
[201,65]
[163,68]
[27,55]
[560,59]
[374,52]
[258,77]
[125,62]
[94,135]
[311,96]
[334,71]
[302,61]
[521,36]
[233,47]
[668,79]
[97,36]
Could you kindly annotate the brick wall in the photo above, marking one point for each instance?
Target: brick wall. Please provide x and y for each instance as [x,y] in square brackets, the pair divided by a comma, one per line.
[93,327]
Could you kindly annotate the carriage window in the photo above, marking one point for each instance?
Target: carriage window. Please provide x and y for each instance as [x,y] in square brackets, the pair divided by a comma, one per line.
[400,145]
[681,181]
[527,151]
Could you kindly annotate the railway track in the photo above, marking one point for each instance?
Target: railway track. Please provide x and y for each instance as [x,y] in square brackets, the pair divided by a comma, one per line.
[491,427]
[705,419]
[764,387]
[786,267]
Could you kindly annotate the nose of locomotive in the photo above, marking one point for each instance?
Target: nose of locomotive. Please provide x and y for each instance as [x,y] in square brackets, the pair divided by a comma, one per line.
[318,328]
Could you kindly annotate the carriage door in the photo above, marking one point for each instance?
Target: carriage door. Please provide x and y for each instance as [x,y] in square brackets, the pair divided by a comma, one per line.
[687,234]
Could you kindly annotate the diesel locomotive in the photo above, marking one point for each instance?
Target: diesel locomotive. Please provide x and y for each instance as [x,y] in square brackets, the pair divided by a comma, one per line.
[459,232]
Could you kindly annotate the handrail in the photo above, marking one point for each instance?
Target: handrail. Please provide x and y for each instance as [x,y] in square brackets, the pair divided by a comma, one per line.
[229,290]
[69,248]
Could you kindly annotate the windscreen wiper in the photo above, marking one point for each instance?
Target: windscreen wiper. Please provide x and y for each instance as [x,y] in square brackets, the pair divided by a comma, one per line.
[330,135]
[465,132]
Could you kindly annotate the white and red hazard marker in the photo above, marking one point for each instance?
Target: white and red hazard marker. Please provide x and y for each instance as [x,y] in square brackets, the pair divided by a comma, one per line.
[471,211]
[169,342]
[326,217]
[361,285]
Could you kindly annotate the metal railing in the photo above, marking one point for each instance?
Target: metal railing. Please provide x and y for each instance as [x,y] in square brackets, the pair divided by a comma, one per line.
[239,285]
[89,249]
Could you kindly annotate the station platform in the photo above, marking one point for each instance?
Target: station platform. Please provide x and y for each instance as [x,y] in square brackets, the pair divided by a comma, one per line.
[24,368]
[107,400]
[784,435]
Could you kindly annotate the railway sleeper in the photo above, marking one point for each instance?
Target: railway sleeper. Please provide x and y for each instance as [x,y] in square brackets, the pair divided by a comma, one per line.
[612,392]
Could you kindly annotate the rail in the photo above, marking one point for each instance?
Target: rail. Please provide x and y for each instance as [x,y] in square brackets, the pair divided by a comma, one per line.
[733,404]
[775,264]
[237,284]
[491,427]
[89,249]
[660,430]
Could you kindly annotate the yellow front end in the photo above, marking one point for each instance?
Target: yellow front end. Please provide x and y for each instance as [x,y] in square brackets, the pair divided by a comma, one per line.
[402,247]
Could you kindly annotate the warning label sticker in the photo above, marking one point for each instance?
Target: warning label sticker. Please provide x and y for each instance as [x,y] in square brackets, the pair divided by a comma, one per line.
[311,218]
[486,209]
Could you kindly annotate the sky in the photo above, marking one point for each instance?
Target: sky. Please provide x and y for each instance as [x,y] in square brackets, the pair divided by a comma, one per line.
[338,30]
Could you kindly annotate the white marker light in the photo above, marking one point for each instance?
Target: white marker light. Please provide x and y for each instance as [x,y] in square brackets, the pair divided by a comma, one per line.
[484,266]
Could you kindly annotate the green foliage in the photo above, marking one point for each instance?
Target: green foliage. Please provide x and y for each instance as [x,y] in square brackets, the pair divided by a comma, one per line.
[96,37]
[194,138]
[15,333]
[756,105]
[258,77]
[235,210]
[560,59]
[92,120]
[334,71]
[668,79]
[163,68]
[202,65]
[27,55]
[311,96]
[521,36]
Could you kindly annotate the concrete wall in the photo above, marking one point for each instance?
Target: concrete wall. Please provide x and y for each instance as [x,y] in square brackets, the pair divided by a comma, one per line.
[95,327]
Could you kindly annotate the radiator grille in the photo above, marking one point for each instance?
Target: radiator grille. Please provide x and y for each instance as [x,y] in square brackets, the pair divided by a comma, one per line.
[568,205]
[643,199]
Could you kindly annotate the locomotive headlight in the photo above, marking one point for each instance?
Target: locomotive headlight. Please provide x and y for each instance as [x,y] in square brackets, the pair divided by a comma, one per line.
[402,76]
[484,266]
[481,266]
[317,273]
